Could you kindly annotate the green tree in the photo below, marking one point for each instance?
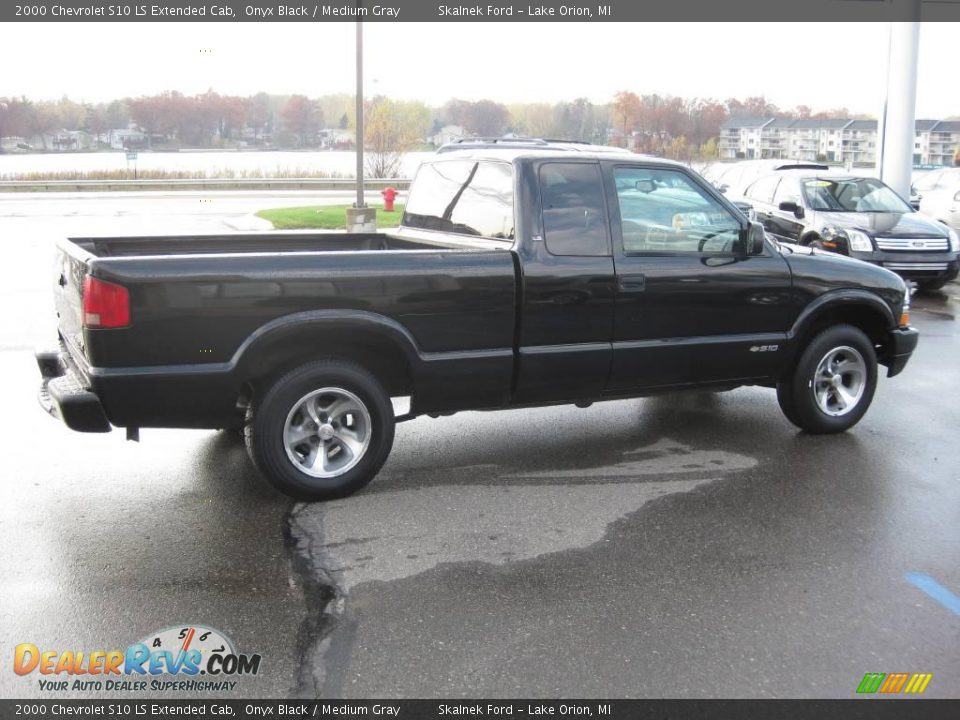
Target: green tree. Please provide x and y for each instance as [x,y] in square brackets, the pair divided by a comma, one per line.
[391,128]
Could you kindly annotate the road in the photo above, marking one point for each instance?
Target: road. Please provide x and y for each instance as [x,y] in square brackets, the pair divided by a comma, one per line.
[684,546]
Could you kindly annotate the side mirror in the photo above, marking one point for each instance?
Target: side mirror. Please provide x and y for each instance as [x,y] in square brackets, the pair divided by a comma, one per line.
[645,186]
[753,239]
[723,188]
[790,206]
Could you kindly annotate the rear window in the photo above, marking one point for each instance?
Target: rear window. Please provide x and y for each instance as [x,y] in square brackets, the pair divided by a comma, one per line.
[463,197]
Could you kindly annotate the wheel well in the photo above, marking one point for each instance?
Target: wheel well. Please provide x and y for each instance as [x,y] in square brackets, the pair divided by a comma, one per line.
[867,319]
[379,355]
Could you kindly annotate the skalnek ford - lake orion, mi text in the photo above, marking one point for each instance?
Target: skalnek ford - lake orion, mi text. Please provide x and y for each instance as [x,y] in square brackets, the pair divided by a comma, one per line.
[584,11]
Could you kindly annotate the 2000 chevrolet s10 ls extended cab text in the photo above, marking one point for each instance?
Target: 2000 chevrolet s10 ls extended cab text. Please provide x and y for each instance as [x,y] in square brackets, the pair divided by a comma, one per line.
[527,275]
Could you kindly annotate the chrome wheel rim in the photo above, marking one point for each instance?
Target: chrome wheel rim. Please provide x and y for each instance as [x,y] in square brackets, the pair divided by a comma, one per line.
[839,381]
[327,432]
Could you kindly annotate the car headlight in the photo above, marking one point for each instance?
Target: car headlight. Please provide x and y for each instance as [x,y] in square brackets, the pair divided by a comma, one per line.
[859,241]
[954,240]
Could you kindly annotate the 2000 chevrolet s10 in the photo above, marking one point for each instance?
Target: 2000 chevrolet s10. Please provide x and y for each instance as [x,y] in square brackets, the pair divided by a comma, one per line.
[525,273]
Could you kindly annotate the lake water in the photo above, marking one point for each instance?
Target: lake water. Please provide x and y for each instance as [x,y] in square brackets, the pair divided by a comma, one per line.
[251,163]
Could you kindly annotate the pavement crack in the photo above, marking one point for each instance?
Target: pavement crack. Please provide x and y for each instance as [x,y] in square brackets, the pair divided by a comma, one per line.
[325,602]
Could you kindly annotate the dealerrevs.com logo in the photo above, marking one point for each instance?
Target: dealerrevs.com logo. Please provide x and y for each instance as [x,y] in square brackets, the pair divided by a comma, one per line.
[186,657]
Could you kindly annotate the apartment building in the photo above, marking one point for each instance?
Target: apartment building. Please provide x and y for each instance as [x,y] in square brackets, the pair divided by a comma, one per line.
[841,140]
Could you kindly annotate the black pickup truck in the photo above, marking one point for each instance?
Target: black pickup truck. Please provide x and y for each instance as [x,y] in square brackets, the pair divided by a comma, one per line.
[522,275]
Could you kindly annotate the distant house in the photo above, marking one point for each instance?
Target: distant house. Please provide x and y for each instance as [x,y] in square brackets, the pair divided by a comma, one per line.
[336,137]
[447,134]
[129,137]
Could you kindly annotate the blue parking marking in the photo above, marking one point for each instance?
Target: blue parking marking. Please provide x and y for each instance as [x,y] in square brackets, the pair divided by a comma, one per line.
[935,590]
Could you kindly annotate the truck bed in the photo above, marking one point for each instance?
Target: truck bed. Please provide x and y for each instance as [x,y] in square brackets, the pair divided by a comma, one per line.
[160,245]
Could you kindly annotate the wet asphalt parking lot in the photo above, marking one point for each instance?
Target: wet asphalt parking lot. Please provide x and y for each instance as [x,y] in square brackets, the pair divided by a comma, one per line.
[685,546]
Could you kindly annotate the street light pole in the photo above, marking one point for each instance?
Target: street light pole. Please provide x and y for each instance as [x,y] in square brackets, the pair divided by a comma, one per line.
[360,218]
[359,138]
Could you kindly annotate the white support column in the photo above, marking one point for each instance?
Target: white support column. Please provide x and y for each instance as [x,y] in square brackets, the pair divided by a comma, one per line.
[896,131]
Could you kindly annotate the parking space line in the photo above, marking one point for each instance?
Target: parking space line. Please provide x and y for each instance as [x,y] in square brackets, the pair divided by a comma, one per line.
[935,590]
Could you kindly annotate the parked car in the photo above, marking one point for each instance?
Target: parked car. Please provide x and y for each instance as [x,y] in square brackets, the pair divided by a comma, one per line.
[738,176]
[521,275]
[939,196]
[857,216]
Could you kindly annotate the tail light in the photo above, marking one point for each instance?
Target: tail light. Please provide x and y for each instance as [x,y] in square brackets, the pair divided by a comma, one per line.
[105,305]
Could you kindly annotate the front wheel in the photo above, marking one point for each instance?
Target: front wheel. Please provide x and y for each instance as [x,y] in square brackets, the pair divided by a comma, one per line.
[930,285]
[833,382]
[321,431]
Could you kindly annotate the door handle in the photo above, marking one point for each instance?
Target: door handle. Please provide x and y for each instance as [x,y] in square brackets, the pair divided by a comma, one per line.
[632,283]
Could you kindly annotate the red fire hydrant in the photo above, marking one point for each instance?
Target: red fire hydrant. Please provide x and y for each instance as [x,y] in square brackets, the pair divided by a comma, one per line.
[389,195]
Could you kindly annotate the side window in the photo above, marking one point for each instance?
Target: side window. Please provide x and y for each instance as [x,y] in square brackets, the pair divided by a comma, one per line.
[787,191]
[464,197]
[574,213]
[762,189]
[664,211]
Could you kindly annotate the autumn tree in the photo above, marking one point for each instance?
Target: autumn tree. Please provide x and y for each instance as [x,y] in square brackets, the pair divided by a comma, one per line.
[626,111]
[302,117]
[392,128]
[486,118]
[260,114]
[43,120]
[532,119]
[14,117]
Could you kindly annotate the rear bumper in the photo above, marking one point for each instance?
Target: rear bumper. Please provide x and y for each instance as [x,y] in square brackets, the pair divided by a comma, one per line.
[64,394]
[903,341]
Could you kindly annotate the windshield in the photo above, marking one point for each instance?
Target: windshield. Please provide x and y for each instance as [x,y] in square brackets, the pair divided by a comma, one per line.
[852,195]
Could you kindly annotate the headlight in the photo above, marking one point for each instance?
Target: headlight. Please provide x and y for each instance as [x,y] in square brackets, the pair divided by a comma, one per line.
[859,241]
[954,240]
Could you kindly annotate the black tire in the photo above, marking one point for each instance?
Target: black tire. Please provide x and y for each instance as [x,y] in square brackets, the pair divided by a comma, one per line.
[267,440]
[930,285]
[797,391]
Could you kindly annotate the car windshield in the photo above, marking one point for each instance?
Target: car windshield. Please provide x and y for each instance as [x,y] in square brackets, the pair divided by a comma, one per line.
[852,195]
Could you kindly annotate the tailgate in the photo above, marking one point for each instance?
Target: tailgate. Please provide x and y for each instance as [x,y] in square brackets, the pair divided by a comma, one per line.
[69,272]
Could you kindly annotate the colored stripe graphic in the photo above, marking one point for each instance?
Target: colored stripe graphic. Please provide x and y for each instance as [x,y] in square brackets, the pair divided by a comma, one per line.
[918,683]
[871,682]
[938,592]
[894,683]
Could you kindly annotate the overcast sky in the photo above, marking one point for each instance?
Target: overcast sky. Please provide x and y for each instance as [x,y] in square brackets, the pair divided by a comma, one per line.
[823,65]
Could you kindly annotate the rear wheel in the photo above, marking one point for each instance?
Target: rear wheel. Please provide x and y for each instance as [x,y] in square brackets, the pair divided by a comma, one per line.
[321,431]
[833,382]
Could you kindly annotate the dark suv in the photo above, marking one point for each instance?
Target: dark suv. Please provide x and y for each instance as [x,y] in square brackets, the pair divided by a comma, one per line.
[856,216]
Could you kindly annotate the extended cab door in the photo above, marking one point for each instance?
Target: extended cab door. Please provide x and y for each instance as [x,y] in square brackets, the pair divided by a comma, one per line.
[568,290]
[692,307]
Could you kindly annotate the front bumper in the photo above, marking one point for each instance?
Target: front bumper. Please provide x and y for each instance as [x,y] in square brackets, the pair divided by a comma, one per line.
[932,266]
[903,341]
[64,394]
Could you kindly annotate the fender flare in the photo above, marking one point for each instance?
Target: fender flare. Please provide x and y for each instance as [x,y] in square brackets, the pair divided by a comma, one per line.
[324,320]
[832,299]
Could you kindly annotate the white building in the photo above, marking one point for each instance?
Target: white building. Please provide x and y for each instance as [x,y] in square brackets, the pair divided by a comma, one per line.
[447,134]
[831,140]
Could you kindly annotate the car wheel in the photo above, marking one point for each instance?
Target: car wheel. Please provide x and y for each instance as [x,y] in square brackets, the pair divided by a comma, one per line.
[832,383]
[321,431]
